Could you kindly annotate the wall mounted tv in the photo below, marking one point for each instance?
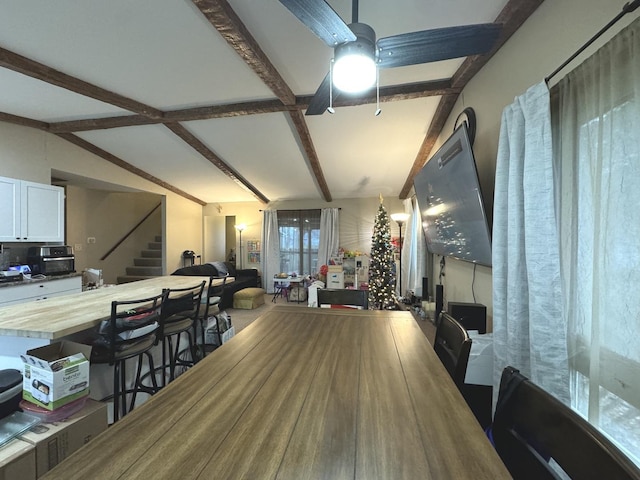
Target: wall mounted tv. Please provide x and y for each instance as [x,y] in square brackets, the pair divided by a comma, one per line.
[450,202]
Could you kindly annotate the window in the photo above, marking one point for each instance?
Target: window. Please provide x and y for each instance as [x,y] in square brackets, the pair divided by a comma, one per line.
[299,240]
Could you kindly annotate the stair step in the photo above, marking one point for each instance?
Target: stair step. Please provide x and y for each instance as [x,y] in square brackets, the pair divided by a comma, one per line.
[145,271]
[158,238]
[155,246]
[151,253]
[147,262]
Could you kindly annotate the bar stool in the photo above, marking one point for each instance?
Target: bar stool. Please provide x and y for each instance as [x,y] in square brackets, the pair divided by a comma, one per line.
[210,301]
[130,332]
[179,313]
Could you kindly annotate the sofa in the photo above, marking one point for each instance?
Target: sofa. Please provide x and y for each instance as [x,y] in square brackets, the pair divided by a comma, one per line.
[244,278]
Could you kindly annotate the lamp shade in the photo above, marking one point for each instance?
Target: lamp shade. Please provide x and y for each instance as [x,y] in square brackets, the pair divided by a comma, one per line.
[400,218]
[354,73]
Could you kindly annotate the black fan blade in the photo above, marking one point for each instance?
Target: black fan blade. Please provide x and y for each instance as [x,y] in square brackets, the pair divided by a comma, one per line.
[320,101]
[437,44]
[321,19]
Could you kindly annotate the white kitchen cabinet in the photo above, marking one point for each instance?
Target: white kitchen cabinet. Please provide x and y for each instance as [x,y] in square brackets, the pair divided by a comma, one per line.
[31,291]
[30,212]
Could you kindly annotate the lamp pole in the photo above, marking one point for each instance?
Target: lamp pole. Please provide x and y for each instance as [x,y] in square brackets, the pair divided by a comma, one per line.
[240,227]
[400,219]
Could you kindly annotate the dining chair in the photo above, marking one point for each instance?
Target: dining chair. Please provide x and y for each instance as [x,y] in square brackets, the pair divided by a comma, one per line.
[211,302]
[535,435]
[129,333]
[348,298]
[452,345]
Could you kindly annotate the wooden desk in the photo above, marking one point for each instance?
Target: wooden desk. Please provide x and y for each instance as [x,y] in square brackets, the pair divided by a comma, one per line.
[301,394]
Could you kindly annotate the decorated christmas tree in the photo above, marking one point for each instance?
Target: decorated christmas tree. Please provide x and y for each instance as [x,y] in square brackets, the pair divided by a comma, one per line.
[382,275]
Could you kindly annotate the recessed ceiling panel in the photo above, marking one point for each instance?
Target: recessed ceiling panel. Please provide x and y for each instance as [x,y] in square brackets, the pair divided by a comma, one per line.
[160,52]
[37,100]
[264,149]
[363,155]
[156,150]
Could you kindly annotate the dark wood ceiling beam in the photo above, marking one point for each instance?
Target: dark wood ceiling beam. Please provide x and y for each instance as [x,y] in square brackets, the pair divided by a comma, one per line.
[203,150]
[297,117]
[101,123]
[390,93]
[512,16]
[91,148]
[393,93]
[31,68]
[23,121]
[225,20]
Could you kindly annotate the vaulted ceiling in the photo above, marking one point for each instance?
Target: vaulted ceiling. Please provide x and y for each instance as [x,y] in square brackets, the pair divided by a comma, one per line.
[207,97]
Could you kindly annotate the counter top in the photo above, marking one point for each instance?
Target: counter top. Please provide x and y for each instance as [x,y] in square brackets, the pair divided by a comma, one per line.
[57,317]
[50,278]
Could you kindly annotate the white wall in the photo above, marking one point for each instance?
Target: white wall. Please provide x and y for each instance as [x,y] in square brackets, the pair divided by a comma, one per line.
[545,41]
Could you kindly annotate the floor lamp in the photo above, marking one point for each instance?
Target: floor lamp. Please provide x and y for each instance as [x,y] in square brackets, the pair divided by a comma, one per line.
[400,219]
[240,227]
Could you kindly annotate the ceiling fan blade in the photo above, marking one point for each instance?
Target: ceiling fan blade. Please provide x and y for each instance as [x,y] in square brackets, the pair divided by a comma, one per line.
[320,101]
[321,19]
[437,44]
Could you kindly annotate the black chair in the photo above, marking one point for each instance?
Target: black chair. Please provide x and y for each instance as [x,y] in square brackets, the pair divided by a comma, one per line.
[129,333]
[212,300]
[179,314]
[452,345]
[343,297]
[531,427]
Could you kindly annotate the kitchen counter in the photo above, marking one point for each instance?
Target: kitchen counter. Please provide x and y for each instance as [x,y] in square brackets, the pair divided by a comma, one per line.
[50,278]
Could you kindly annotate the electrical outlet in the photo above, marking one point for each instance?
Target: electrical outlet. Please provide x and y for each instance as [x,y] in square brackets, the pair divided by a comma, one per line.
[77,247]
[91,239]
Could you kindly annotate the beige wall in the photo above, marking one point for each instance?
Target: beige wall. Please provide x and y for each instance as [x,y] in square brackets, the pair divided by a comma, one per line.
[357,216]
[30,154]
[545,41]
[89,211]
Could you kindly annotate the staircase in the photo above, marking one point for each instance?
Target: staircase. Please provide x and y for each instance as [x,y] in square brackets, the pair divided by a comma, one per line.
[148,265]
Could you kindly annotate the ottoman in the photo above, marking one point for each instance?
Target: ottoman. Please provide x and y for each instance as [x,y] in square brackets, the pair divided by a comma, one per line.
[248,298]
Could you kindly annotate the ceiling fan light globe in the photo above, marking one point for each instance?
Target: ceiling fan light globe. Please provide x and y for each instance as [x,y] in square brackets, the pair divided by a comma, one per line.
[354,73]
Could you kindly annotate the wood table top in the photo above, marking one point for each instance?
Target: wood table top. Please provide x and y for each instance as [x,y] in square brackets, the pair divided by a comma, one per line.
[302,393]
[57,317]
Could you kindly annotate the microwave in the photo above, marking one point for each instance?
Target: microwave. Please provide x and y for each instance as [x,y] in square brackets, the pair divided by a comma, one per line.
[52,260]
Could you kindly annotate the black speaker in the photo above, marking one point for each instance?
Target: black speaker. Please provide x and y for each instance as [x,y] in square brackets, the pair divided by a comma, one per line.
[472,316]
[425,289]
[439,302]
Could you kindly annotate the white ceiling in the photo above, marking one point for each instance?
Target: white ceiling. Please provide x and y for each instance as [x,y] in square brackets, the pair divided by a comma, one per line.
[166,54]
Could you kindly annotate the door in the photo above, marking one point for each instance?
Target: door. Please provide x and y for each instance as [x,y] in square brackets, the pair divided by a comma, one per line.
[214,239]
[9,209]
[42,212]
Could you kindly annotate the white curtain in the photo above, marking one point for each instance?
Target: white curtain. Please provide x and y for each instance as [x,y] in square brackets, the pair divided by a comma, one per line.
[329,234]
[529,328]
[413,251]
[598,145]
[270,262]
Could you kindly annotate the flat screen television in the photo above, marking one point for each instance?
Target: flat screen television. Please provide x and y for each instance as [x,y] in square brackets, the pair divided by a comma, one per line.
[451,203]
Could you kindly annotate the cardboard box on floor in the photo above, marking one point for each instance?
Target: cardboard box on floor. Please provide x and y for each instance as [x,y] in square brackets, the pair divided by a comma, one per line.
[56,441]
[17,460]
[56,374]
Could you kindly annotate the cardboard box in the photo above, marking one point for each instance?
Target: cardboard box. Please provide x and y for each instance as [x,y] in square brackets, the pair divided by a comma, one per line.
[53,442]
[56,374]
[17,460]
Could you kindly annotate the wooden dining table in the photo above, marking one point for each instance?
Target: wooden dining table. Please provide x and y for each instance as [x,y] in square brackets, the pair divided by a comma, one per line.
[301,393]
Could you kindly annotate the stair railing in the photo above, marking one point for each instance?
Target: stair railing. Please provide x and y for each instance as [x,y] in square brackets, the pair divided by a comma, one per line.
[128,234]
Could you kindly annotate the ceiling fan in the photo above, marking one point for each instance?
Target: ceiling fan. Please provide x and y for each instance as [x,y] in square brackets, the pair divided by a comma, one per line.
[358,54]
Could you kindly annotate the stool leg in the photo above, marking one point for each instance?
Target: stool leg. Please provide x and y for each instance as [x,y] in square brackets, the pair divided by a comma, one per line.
[136,382]
[116,391]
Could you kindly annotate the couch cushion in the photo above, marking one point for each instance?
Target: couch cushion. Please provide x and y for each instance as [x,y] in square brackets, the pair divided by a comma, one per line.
[221,268]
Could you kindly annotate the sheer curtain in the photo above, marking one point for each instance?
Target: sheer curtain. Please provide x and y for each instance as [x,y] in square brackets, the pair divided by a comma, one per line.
[413,250]
[529,328]
[270,263]
[598,146]
[329,234]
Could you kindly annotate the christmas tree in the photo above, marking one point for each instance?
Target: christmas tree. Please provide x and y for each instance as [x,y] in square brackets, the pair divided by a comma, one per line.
[382,275]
